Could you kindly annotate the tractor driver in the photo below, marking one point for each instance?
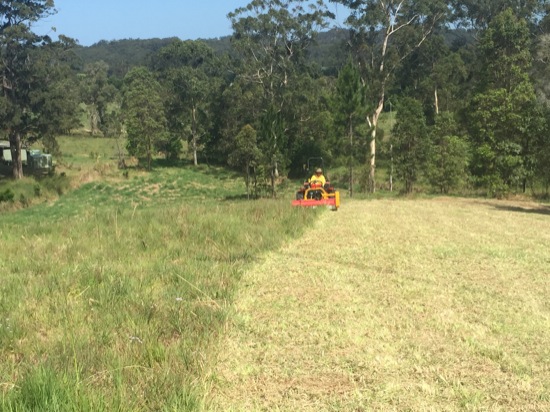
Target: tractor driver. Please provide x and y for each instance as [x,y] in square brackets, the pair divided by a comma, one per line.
[318,178]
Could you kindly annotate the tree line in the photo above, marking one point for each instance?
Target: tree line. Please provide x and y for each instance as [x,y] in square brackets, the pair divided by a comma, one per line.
[463,84]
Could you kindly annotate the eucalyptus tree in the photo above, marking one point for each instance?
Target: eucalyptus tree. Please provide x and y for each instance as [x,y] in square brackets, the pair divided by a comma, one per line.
[478,14]
[542,154]
[53,93]
[384,34]
[191,76]
[411,143]
[310,128]
[246,155]
[272,37]
[143,112]
[347,104]
[503,117]
[448,156]
[238,104]
[436,75]
[97,93]
[30,68]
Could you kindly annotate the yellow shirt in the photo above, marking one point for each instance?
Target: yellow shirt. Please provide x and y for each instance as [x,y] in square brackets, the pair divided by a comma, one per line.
[318,179]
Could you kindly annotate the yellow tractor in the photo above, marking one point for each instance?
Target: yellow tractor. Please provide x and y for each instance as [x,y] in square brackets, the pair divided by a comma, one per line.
[317,190]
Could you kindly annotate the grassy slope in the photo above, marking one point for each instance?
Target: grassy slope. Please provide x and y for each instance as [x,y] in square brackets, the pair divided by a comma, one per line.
[397,305]
[113,296]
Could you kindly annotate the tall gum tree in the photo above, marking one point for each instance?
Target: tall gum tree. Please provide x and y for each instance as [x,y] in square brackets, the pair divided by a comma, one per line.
[347,104]
[478,14]
[384,33]
[272,37]
[144,113]
[17,44]
[190,71]
[503,118]
[97,93]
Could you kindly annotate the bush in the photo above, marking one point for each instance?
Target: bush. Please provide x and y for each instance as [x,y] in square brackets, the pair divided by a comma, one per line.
[7,196]
[57,184]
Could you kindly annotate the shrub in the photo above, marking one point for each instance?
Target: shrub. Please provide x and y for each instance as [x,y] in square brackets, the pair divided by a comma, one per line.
[7,195]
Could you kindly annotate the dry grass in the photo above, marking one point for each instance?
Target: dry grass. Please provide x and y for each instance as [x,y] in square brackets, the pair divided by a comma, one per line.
[397,305]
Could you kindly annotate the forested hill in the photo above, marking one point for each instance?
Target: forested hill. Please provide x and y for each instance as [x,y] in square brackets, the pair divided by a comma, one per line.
[121,55]
[327,53]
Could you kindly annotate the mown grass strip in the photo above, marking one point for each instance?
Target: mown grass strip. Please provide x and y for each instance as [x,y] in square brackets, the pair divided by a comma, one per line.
[421,305]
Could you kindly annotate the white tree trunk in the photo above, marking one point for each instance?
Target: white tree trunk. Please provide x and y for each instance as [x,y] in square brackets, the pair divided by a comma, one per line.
[94,120]
[350,156]
[194,138]
[372,162]
[15,146]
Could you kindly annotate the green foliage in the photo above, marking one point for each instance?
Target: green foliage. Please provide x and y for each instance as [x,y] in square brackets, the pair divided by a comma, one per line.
[189,72]
[122,55]
[144,114]
[280,60]
[272,37]
[273,143]
[541,70]
[505,48]
[348,97]
[411,142]
[347,105]
[504,120]
[436,75]
[7,195]
[133,287]
[383,35]
[246,154]
[480,14]
[309,122]
[449,155]
[38,92]
[97,93]
[239,104]
[327,53]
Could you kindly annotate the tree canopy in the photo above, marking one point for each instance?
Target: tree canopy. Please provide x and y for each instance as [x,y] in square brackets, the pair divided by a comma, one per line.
[287,85]
[35,70]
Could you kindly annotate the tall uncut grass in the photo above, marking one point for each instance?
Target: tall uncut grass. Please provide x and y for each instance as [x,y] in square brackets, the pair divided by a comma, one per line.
[114,296]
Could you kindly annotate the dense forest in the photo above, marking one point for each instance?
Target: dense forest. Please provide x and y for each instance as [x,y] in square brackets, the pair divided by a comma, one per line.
[433,95]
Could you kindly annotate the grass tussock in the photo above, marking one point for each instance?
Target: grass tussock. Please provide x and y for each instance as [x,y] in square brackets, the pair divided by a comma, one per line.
[417,305]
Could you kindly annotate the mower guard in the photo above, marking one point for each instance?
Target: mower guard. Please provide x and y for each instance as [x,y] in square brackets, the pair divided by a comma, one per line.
[331,200]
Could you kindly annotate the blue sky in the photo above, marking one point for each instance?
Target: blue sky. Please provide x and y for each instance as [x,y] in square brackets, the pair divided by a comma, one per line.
[90,21]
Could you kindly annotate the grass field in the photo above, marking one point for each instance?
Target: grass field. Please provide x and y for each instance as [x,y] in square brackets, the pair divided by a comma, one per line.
[114,296]
[167,291]
[397,305]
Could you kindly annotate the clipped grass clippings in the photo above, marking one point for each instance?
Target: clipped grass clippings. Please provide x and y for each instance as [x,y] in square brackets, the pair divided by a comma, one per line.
[396,305]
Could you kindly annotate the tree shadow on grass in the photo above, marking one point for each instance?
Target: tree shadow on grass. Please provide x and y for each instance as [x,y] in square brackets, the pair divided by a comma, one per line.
[169,163]
[541,210]
[220,173]
[241,197]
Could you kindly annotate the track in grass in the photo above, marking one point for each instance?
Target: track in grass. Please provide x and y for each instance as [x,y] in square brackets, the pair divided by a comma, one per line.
[397,305]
